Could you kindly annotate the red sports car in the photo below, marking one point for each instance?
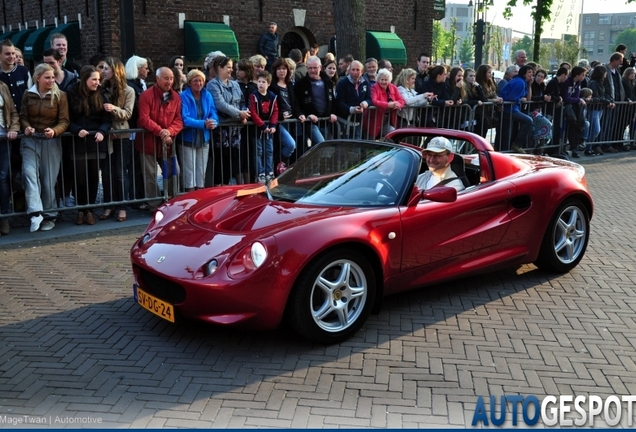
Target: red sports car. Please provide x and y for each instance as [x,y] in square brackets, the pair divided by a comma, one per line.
[346,225]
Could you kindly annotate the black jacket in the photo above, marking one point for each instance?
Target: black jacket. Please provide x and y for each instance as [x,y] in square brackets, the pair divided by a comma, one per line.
[95,120]
[305,98]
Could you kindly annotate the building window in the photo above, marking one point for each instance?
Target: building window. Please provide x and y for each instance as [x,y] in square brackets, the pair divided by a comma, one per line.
[462,12]
[604,19]
[600,49]
[588,20]
[601,35]
[588,35]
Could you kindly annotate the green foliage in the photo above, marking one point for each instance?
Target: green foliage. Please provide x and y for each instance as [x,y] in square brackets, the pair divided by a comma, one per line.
[544,56]
[540,12]
[568,51]
[466,51]
[627,37]
[525,43]
[441,39]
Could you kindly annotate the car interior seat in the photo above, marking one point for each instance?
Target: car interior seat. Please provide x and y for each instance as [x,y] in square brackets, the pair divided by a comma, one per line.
[458,167]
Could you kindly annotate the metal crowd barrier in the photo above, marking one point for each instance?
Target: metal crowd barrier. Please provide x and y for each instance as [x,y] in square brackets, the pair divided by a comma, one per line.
[90,178]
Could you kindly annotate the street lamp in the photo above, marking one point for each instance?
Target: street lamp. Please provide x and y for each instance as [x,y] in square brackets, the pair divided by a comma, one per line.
[479,16]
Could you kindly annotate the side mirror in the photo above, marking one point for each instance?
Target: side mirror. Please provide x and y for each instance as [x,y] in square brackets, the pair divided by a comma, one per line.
[437,194]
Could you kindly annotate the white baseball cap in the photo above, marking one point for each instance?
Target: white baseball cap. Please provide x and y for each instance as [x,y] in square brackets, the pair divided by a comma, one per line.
[439,145]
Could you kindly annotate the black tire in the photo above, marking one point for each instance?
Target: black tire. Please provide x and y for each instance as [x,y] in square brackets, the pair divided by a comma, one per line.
[566,238]
[333,297]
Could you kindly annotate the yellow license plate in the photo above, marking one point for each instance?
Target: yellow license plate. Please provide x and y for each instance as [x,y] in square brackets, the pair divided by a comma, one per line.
[153,304]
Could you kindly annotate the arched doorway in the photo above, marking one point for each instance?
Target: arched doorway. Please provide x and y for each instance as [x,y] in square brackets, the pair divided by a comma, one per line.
[296,37]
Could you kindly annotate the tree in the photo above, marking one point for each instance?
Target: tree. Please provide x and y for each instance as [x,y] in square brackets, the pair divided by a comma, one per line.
[627,37]
[540,12]
[525,43]
[349,20]
[440,41]
[496,41]
[466,52]
[545,55]
[568,51]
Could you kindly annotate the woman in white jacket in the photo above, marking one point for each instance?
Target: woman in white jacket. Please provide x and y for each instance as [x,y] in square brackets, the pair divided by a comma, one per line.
[405,83]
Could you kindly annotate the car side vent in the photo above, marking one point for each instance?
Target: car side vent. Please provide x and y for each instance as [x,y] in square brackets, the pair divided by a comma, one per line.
[521,202]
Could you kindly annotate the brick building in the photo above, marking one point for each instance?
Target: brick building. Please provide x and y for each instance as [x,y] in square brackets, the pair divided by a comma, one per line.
[157,29]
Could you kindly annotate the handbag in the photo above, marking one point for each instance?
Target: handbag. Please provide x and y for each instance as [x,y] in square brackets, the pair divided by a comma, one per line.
[570,115]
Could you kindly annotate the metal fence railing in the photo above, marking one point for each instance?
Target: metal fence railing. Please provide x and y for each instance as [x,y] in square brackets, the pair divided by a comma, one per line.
[121,175]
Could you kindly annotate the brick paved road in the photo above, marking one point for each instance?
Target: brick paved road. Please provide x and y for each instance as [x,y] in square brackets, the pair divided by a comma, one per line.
[73,343]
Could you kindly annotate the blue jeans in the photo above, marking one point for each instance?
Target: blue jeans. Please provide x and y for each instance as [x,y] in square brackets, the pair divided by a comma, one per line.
[595,126]
[317,134]
[288,144]
[265,162]
[5,188]
[525,127]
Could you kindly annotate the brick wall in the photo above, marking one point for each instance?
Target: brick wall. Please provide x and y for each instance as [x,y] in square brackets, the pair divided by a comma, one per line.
[158,37]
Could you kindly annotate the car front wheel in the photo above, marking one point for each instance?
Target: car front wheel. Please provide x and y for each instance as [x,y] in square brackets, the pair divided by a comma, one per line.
[333,297]
[566,238]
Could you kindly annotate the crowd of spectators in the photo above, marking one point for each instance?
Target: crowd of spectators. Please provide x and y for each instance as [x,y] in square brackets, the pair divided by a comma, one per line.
[245,122]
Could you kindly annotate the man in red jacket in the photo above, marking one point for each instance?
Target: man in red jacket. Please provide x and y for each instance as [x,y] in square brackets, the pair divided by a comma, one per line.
[160,115]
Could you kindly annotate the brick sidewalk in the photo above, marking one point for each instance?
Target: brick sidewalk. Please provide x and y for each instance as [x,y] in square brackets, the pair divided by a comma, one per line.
[73,343]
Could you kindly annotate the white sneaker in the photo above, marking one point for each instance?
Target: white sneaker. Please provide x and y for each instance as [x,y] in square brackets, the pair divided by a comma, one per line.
[47,225]
[35,223]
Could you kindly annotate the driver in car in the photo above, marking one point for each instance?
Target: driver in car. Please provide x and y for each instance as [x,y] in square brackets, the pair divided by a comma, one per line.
[439,155]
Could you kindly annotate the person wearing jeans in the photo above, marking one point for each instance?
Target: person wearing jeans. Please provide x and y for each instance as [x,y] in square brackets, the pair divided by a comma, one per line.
[315,96]
[516,91]
[9,128]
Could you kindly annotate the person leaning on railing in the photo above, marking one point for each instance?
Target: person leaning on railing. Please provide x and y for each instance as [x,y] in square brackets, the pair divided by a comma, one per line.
[476,98]
[86,108]
[120,103]
[387,101]
[436,84]
[405,83]
[44,117]
[490,113]
[9,128]
[629,84]
[516,91]
[199,118]
[599,104]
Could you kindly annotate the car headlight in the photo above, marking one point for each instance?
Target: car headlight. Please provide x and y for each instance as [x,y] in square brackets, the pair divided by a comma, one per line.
[210,268]
[248,260]
[158,216]
[145,239]
[259,254]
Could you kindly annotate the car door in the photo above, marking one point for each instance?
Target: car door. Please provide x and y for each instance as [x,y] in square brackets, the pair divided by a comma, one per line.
[436,231]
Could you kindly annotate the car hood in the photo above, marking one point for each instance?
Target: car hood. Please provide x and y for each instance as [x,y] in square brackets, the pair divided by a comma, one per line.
[198,228]
[256,213]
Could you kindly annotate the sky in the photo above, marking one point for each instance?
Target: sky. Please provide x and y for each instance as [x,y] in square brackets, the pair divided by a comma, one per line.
[522,22]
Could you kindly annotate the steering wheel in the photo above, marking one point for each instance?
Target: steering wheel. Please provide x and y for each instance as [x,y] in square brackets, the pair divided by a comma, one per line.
[386,184]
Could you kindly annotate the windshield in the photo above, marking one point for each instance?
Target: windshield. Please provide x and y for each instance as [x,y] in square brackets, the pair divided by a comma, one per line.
[349,173]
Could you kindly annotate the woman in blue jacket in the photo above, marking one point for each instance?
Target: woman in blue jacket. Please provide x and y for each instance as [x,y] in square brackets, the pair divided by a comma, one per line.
[199,118]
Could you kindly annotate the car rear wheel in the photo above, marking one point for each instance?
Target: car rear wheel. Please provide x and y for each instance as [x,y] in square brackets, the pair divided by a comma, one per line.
[333,297]
[566,238]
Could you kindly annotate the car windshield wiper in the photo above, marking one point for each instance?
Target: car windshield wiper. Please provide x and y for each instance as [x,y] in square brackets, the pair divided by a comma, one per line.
[269,194]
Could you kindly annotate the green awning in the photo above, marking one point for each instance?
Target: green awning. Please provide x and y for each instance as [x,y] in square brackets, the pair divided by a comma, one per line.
[20,38]
[386,45]
[203,37]
[8,35]
[36,43]
[72,32]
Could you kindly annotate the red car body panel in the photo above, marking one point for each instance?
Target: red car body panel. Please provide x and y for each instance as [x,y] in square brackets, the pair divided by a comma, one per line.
[497,223]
